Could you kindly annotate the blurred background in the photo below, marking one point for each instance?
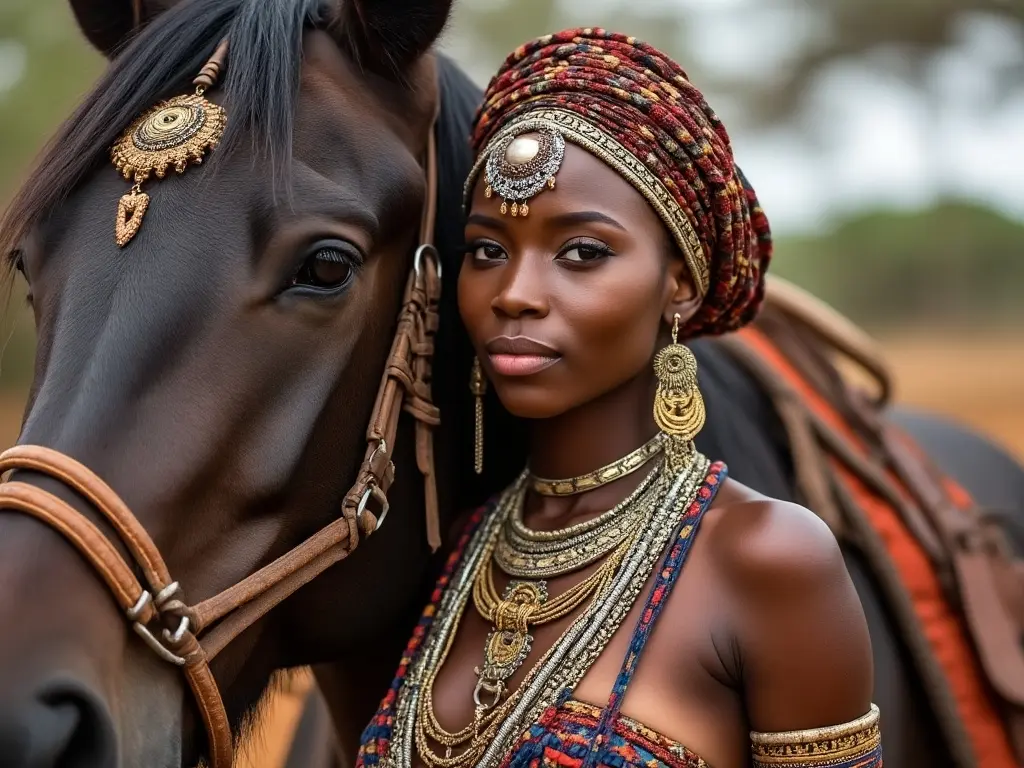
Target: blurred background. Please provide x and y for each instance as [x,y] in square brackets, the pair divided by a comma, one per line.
[885,139]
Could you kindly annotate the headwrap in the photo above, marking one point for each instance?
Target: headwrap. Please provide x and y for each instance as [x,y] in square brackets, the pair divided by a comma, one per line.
[634,108]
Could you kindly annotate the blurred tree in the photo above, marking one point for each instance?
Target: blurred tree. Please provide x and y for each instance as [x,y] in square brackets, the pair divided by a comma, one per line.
[957,262]
[953,260]
[45,67]
[906,38]
[487,30]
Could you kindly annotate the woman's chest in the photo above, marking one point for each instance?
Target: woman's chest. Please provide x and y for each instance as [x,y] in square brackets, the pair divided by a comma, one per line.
[490,658]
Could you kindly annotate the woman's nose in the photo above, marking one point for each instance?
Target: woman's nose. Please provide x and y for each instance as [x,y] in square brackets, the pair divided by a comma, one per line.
[523,290]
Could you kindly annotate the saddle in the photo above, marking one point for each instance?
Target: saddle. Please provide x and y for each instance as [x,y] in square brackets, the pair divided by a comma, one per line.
[947,569]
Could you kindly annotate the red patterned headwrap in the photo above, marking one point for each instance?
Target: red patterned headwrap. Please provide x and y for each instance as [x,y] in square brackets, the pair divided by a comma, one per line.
[633,107]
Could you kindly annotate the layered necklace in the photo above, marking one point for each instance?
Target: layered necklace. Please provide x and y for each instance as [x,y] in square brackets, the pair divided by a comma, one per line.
[524,553]
[631,538]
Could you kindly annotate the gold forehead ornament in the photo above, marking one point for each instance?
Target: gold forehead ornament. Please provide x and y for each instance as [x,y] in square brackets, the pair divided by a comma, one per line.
[174,134]
[522,166]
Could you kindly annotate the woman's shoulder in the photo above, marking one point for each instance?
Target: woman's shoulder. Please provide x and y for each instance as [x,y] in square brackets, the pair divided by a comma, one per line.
[794,612]
[760,543]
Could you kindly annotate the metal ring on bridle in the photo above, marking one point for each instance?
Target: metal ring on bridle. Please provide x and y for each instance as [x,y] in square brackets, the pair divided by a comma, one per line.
[372,491]
[417,260]
[167,593]
[179,633]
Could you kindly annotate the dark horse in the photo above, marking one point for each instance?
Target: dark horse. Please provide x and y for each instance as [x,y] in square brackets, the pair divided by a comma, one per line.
[219,373]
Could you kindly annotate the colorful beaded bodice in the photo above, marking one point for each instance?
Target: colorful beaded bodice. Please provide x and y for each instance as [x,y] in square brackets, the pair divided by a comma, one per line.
[568,732]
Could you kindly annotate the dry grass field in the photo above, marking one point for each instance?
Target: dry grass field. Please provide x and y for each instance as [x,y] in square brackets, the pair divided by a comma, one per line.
[975,379]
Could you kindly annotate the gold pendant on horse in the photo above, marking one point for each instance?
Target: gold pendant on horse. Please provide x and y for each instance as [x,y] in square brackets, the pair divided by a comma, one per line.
[173,134]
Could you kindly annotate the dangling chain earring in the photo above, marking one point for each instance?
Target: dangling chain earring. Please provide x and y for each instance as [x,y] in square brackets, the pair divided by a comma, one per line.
[678,405]
[478,386]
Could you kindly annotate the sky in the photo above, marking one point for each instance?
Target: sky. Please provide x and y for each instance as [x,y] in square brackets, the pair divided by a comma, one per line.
[886,144]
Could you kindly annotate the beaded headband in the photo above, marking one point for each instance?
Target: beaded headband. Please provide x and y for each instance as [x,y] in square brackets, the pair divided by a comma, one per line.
[519,167]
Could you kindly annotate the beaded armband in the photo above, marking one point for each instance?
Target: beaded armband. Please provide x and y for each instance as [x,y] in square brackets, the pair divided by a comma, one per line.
[857,744]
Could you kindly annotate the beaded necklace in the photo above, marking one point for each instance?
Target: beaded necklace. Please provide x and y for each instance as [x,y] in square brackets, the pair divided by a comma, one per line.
[524,553]
[559,669]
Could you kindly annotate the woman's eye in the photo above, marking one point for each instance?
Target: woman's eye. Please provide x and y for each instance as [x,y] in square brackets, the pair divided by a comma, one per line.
[327,268]
[486,252]
[583,253]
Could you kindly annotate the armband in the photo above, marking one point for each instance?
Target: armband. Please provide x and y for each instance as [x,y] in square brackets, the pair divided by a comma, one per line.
[857,744]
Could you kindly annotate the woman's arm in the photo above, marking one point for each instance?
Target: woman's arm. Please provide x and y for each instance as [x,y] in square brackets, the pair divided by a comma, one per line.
[802,635]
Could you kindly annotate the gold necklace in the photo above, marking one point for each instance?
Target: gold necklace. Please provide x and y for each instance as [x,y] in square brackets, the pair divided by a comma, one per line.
[488,737]
[523,553]
[489,715]
[524,604]
[618,469]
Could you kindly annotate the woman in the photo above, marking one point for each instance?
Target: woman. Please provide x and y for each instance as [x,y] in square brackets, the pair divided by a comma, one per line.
[607,224]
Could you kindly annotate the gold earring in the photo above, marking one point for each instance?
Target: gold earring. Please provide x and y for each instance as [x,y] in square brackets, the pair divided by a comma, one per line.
[478,386]
[678,405]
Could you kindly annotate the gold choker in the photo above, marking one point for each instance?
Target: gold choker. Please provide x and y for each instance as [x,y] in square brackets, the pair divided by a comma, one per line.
[609,473]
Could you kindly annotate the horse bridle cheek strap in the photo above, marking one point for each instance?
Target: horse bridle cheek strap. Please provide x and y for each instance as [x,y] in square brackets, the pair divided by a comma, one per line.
[155,605]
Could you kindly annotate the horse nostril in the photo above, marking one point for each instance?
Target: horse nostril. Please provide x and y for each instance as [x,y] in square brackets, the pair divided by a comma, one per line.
[64,725]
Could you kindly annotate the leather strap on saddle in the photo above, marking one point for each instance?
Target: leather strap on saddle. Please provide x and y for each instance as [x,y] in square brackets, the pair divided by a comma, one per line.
[191,636]
[794,350]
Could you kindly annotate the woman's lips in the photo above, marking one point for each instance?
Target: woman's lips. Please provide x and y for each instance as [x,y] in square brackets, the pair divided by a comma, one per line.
[520,355]
[521,365]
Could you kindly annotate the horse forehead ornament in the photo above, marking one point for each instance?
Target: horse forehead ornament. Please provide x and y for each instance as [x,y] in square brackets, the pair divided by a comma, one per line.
[174,133]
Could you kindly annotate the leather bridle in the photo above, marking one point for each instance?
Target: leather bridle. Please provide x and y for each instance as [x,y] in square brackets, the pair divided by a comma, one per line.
[191,636]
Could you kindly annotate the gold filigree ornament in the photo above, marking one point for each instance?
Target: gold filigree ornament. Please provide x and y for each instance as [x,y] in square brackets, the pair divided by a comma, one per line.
[678,405]
[174,134]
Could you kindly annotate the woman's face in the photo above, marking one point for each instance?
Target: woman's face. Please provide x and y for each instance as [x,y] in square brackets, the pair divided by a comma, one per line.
[567,304]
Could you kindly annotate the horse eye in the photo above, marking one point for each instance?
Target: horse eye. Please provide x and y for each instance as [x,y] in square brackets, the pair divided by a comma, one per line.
[328,268]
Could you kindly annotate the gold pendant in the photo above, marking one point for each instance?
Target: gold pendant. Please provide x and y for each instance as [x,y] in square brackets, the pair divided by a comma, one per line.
[509,643]
[130,210]
[174,134]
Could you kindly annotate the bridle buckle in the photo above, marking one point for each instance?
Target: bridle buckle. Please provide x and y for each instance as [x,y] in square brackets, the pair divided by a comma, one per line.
[171,638]
[374,492]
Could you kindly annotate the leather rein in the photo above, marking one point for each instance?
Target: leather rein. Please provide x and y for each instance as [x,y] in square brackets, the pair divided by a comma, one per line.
[191,636]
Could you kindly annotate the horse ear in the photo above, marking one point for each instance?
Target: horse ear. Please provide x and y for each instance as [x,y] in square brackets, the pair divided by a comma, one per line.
[387,36]
[107,24]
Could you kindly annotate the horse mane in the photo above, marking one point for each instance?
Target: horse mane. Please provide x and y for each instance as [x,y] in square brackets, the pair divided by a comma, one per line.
[261,85]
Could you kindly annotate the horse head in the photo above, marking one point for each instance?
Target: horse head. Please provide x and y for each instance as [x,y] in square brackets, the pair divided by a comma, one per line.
[219,370]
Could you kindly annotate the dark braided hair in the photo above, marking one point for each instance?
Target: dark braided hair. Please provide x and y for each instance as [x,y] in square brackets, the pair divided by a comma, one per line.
[644,100]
